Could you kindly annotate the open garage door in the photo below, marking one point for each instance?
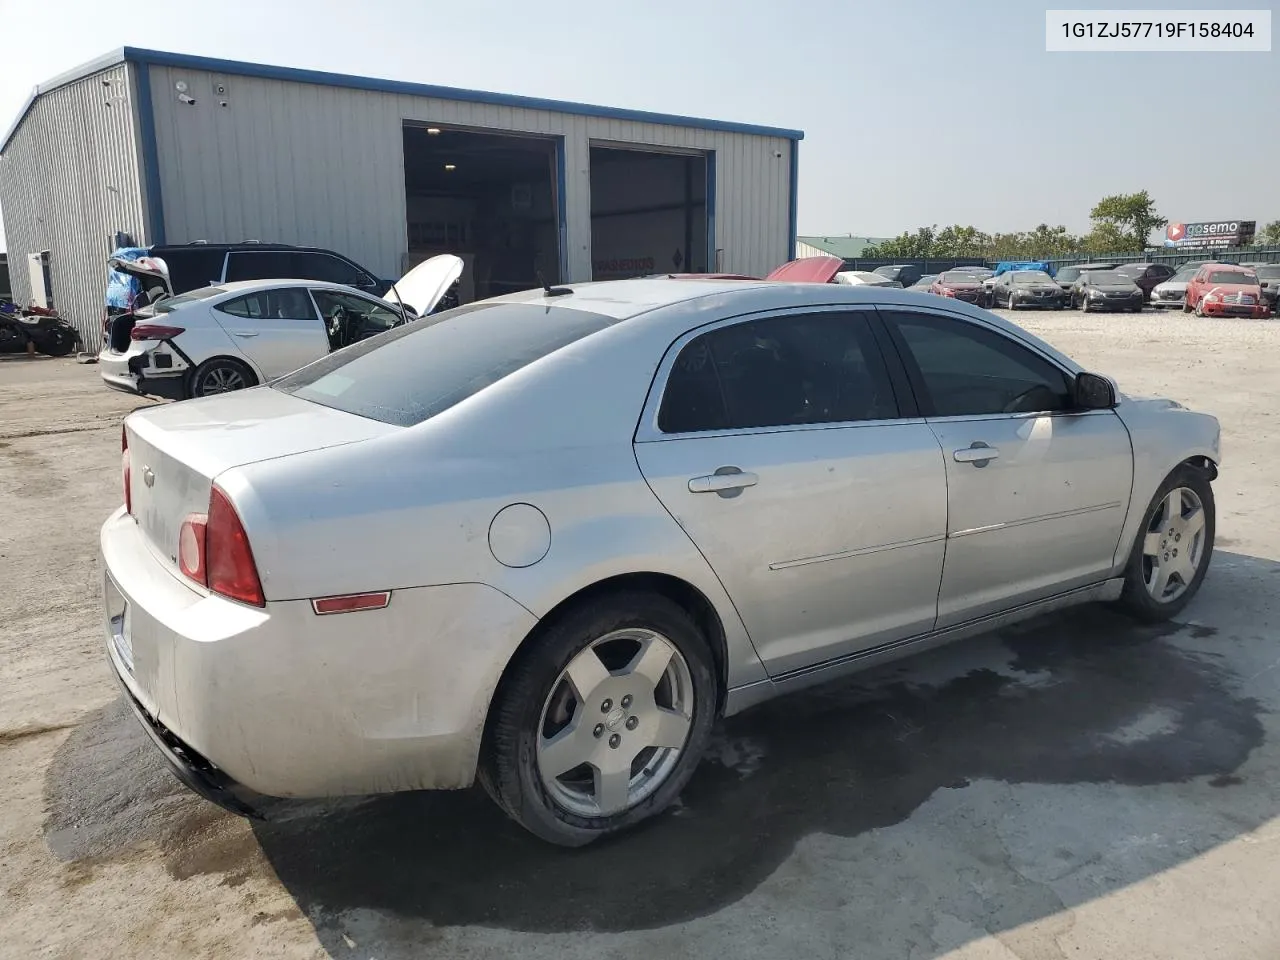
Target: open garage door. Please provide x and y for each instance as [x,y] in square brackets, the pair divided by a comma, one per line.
[487,197]
[649,212]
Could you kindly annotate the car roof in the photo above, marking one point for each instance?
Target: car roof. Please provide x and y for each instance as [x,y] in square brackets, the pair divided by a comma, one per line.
[241,245]
[249,286]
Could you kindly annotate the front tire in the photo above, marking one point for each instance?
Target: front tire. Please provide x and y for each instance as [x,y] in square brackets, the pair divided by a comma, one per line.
[1084,304]
[1173,548]
[220,375]
[601,721]
[1199,311]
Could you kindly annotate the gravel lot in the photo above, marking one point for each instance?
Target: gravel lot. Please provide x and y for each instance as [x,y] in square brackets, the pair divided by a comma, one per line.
[1076,787]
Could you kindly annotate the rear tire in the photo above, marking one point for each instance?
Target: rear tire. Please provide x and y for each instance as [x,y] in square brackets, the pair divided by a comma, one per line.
[220,375]
[56,342]
[556,694]
[1137,598]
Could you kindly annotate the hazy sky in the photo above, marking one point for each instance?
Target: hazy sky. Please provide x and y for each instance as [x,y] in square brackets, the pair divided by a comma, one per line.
[914,111]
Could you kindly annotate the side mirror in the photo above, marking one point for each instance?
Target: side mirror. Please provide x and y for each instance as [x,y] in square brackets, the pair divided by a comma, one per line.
[1093,392]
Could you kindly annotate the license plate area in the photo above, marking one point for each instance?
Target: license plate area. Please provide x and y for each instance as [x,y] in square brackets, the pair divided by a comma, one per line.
[119,623]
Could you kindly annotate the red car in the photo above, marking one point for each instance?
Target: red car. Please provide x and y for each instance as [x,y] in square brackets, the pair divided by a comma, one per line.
[958,284]
[1225,290]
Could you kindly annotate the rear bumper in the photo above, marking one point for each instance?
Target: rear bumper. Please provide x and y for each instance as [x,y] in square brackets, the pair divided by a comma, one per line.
[248,702]
[122,371]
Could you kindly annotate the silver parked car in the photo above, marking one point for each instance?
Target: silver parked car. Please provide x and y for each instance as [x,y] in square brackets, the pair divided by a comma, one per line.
[545,540]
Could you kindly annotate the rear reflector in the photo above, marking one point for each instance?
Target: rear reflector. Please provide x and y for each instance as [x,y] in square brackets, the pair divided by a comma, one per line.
[154,331]
[351,603]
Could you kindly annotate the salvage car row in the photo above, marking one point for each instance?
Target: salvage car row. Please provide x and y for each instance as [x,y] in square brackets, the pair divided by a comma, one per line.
[1208,288]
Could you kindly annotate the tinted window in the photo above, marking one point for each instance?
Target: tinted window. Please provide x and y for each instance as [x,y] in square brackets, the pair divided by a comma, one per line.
[330,269]
[1032,276]
[191,267]
[262,265]
[1132,269]
[1105,276]
[425,367]
[782,371]
[1269,271]
[291,303]
[967,370]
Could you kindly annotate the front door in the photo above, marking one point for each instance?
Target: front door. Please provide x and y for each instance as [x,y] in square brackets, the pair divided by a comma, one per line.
[278,329]
[778,446]
[1037,492]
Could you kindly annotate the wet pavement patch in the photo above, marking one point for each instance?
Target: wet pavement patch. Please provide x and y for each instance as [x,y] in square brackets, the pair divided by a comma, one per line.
[1082,697]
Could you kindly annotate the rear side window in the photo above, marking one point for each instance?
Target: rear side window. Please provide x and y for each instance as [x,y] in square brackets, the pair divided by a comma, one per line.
[780,371]
[423,368]
[288,304]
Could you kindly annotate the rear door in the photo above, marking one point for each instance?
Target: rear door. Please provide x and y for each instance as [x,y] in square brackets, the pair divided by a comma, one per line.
[778,444]
[1037,491]
[278,329]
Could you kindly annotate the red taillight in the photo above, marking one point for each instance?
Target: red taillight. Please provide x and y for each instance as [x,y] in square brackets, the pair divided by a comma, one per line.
[228,558]
[948,292]
[124,469]
[213,550]
[154,331]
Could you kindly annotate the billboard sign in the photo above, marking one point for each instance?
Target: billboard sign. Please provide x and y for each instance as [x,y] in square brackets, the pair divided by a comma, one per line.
[1213,233]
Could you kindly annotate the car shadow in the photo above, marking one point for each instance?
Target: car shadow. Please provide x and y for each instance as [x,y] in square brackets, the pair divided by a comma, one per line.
[1081,697]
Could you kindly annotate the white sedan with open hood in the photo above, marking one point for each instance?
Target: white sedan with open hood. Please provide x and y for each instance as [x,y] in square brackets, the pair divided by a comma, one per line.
[545,540]
[235,335]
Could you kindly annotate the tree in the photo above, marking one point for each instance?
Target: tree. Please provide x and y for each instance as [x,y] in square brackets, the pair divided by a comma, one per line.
[915,246]
[1130,217]
[1269,235]
[1106,237]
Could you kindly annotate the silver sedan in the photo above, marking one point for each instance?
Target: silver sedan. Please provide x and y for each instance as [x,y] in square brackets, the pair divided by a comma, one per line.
[545,540]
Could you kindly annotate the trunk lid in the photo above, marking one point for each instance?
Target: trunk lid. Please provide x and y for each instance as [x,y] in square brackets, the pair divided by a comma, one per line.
[424,286]
[176,451]
[152,274]
[808,270]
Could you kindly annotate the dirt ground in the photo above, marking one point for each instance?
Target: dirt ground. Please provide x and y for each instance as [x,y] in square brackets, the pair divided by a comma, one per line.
[1077,787]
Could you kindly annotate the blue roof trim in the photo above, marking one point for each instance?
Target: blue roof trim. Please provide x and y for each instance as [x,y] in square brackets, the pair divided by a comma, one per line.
[266,71]
[795,198]
[245,69]
[150,157]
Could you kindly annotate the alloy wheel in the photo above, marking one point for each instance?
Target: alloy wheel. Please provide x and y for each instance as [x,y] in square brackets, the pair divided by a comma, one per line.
[221,380]
[615,722]
[1173,546]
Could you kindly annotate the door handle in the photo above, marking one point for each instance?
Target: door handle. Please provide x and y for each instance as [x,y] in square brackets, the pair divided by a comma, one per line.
[977,453]
[245,333]
[726,481]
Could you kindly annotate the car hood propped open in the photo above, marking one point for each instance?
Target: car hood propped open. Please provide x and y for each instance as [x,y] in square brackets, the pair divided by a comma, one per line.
[423,286]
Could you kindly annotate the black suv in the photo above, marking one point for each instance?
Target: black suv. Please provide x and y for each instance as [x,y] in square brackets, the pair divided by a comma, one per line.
[193,265]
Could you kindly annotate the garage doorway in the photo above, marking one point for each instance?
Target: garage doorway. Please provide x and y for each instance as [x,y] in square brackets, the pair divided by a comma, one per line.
[649,212]
[488,197]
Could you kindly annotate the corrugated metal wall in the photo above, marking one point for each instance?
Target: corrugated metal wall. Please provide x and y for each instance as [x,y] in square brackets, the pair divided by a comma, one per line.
[68,182]
[309,164]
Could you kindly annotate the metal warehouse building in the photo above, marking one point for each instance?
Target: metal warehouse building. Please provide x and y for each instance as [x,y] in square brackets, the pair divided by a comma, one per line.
[146,147]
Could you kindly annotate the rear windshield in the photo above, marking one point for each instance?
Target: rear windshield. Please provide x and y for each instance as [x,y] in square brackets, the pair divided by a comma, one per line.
[172,303]
[413,372]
